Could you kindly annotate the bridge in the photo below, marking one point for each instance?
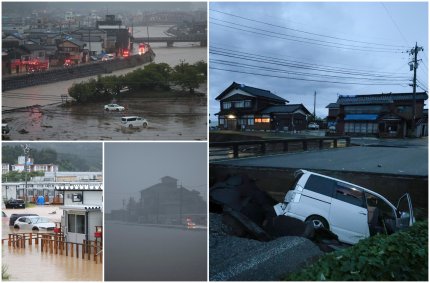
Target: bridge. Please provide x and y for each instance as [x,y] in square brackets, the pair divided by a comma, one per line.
[170,40]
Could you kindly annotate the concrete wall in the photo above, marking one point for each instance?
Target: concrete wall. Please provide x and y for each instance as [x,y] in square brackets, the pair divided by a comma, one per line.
[80,71]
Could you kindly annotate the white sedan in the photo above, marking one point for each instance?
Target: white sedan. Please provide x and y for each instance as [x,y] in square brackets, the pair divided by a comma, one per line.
[313,126]
[35,223]
[114,107]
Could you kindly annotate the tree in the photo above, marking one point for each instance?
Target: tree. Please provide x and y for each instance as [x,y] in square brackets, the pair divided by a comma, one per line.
[187,76]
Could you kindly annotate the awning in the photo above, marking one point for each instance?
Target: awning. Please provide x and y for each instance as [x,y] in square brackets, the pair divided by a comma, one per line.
[82,207]
[361,117]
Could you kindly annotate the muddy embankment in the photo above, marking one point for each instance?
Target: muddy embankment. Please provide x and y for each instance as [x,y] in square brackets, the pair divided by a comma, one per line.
[277,182]
[79,71]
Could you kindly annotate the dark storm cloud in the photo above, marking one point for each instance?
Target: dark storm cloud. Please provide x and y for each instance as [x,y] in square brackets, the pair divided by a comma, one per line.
[368,22]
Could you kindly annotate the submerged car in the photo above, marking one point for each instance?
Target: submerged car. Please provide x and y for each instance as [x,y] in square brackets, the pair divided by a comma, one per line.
[5,129]
[15,203]
[134,122]
[35,223]
[15,216]
[349,211]
[114,107]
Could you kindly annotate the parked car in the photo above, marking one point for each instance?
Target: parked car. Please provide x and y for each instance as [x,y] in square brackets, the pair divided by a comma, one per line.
[5,129]
[15,203]
[15,216]
[332,129]
[108,57]
[114,107]
[134,121]
[313,126]
[349,211]
[35,223]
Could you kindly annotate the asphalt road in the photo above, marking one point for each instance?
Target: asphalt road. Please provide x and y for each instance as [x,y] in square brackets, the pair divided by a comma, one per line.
[395,159]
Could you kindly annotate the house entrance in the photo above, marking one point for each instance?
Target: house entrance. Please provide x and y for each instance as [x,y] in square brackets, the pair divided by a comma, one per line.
[76,227]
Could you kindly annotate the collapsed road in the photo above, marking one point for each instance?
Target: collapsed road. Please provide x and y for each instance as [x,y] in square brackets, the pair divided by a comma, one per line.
[248,241]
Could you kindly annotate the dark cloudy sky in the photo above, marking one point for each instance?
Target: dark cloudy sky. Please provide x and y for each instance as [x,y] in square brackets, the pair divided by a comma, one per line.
[132,167]
[380,31]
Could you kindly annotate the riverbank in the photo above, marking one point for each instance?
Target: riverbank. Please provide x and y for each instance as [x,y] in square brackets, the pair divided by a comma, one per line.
[73,72]
[170,115]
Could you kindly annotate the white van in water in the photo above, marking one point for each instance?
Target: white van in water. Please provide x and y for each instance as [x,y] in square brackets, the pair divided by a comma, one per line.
[350,211]
[134,122]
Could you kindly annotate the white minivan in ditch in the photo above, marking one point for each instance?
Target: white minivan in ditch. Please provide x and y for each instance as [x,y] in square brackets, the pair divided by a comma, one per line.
[349,211]
[134,122]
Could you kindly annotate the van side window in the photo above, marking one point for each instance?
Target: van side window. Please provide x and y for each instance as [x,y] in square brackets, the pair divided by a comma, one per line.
[350,195]
[320,185]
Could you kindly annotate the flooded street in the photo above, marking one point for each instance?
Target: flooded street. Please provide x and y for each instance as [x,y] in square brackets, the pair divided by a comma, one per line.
[169,117]
[145,253]
[181,118]
[30,264]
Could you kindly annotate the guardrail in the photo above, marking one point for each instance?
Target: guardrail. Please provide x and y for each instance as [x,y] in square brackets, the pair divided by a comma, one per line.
[232,149]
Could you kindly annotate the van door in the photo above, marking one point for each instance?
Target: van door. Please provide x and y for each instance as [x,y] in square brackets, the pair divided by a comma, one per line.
[348,214]
[404,208]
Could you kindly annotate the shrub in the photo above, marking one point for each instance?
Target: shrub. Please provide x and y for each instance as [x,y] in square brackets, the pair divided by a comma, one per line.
[398,257]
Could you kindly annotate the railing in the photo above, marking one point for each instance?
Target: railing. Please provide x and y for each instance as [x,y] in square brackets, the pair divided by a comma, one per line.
[56,244]
[232,149]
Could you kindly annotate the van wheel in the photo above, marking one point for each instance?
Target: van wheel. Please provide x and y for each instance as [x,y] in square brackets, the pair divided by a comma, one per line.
[117,110]
[130,126]
[318,222]
[145,125]
[35,229]
[16,227]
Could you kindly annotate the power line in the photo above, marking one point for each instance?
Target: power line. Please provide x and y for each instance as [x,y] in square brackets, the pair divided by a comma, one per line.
[296,64]
[397,27]
[305,32]
[222,51]
[300,79]
[286,37]
[237,64]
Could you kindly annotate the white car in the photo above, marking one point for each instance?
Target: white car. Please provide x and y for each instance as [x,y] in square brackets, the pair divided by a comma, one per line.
[114,107]
[313,126]
[134,122]
[35,223]
[349,211]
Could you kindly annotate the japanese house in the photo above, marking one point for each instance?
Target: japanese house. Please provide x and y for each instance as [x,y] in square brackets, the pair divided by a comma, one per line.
[249,108]
[82,210]
[382,115]
[168,203]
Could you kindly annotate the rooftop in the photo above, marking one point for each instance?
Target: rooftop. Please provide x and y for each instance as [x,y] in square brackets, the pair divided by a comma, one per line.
[258,92]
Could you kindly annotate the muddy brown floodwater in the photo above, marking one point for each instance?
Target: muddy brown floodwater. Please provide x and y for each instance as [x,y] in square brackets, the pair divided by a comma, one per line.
[171,116]
[29,264]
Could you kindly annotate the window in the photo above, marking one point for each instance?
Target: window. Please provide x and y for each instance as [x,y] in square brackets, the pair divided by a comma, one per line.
[242,121]
[226,105]
[262,120]
[250,121]
[221,121]
[71,223]
[80,224]
[349,194]
[76,223]
[248,103]
[238,104]
[77,197]
[320,185]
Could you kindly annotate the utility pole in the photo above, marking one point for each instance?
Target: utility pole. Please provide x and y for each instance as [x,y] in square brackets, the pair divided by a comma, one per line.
[26,150]
[414,51]
[315,102]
